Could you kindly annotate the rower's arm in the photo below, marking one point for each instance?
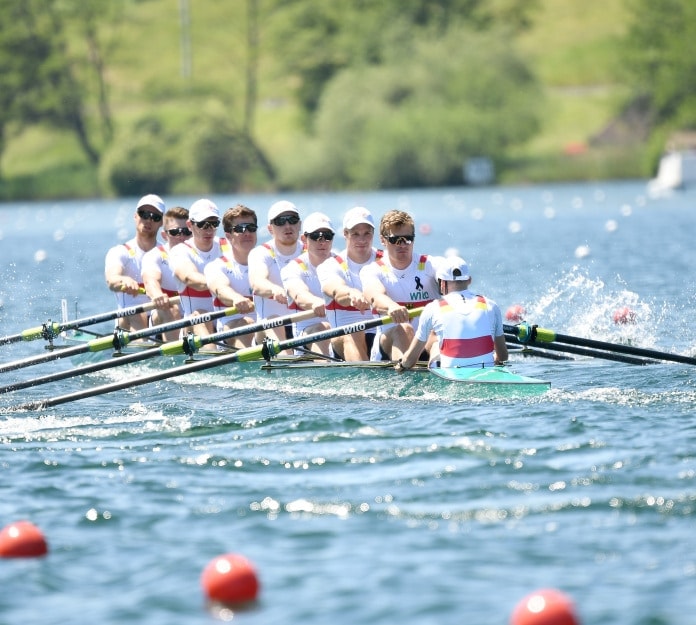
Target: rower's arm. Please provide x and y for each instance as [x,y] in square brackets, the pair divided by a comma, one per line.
[501,350]
[345,295]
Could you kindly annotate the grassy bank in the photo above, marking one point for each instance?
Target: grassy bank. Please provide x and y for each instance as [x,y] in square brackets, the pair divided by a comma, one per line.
[572,48]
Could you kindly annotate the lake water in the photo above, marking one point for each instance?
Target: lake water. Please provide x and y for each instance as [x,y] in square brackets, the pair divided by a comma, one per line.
[376,499]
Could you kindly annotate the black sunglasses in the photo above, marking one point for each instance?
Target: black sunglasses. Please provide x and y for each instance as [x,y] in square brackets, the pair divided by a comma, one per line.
[395,239]
[241,228]
[179,232]
[207,225]
[156,217]
[286,219]
[318,236]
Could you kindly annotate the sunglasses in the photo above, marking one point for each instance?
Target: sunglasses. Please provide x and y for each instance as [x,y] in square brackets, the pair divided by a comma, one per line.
[207,225]
[156,217]
[406,239]
[179,232]
[241,228]
[319,236]
[286,219]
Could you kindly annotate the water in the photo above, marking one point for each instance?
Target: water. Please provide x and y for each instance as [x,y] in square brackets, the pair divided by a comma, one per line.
[375,499]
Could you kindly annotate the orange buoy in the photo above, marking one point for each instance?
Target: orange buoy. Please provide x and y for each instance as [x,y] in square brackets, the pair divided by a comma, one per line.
[624,316]
[515,313]
[230,579]
[22,539]
[425,229]
[544,607]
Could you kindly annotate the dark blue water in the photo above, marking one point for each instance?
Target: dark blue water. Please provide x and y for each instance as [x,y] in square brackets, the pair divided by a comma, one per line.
[373,498]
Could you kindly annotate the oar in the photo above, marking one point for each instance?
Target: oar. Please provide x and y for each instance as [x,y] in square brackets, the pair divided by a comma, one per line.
[517,348]
[116,341]
[52,329]
[184,346]
[529,334]
[269,349]
[583,351]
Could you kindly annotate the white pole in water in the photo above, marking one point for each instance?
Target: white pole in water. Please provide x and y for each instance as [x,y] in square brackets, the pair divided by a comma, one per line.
[185,19]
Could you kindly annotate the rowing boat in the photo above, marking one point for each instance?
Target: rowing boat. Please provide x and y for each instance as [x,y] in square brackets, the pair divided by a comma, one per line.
[499,376]
[488,375]
[270,350]
[492,381]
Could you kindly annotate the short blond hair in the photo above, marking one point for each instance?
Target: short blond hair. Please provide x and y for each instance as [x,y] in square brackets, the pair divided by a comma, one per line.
[394,219]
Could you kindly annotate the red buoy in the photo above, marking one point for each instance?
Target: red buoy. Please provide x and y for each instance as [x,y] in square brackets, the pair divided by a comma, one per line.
[515,313]
[22,539]
[230,579]
[544,607]
[624,316]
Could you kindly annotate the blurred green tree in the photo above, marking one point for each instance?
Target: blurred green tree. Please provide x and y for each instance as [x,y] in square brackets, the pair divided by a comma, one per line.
[660,59]
[315,39]
[38,78]
[414,120]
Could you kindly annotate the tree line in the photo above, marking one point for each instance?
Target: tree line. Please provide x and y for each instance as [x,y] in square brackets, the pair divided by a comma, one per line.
[395,93]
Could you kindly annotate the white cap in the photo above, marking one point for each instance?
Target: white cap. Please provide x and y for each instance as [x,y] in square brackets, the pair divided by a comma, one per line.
[317,221]
[452,268]
[202,209]
[281,207]
[151,201]
[356,216]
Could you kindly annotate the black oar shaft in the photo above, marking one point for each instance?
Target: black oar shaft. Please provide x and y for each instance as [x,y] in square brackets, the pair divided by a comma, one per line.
[584,351]
[243,355]
[108,342]
[116,361]
[173,348]
[528,334]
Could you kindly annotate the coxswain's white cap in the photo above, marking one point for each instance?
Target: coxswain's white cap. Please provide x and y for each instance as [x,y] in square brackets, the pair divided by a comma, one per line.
[453,268]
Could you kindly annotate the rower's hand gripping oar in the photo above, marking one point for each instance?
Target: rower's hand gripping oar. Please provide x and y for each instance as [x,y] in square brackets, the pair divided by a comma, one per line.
[188,345]
[246,354]
[534,335]
[52,329]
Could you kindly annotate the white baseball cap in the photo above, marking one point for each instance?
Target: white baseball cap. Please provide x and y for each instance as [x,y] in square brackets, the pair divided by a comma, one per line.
[202,209]
[357,215]
[152,201]
[283,206]
[452,268]
[317,221]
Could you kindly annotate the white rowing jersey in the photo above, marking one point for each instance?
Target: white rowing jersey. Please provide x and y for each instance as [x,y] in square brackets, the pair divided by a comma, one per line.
[238,277]
[193,299]
[128,257]
[347,271]
[465,325]
[158,258]
[268,255]
[301,270]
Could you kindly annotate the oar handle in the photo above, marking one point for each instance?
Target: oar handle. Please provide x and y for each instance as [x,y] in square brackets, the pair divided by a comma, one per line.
[175,348]
[273,348]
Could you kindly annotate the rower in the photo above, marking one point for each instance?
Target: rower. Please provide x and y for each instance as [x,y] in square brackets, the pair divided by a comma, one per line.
[398,282]
[123,262]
